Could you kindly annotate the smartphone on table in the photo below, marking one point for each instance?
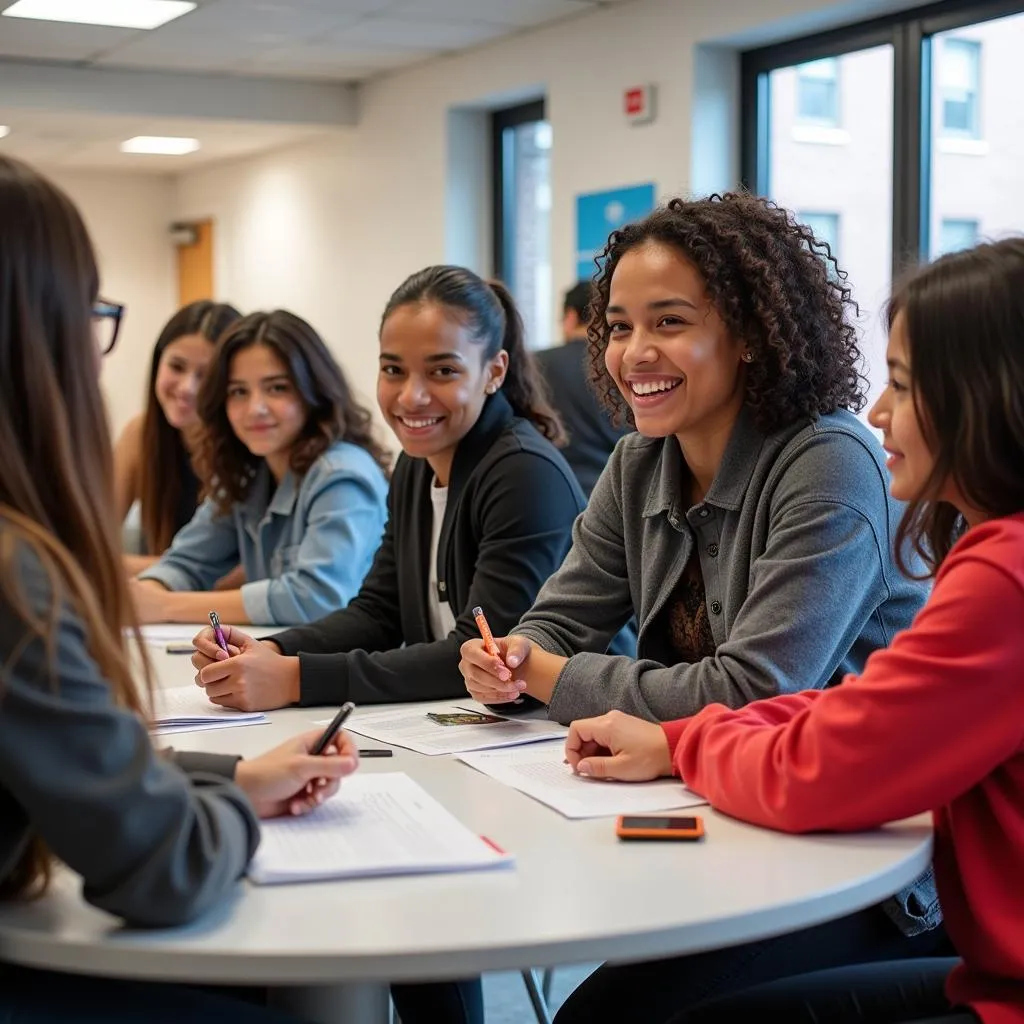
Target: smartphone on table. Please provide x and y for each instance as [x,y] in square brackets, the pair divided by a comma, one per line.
[659,826]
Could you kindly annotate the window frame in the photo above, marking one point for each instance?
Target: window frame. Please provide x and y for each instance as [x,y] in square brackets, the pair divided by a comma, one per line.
[909,33]
[502,203]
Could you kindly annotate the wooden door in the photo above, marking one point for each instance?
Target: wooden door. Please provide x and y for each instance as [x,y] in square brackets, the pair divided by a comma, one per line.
[195,265]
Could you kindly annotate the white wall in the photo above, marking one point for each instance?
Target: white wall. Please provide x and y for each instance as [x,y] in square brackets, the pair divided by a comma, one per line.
[284,237]
[128,217]
[331,228]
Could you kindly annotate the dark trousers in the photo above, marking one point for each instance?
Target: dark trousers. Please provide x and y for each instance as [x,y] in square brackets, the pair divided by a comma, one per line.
[651,992]
[888,993]
[28,996]
[439,1002]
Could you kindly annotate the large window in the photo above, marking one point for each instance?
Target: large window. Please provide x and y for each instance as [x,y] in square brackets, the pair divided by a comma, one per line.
[924,157]
[522,214]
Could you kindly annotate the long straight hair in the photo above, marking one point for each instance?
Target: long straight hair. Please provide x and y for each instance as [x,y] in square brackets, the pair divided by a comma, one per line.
[964,320]
[56,466]
[163,448]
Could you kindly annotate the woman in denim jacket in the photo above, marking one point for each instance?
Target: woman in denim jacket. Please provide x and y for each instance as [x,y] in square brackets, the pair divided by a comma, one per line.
[747,524]
[295,486]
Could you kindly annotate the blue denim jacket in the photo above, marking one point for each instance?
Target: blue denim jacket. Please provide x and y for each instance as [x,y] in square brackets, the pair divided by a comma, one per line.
[305,546]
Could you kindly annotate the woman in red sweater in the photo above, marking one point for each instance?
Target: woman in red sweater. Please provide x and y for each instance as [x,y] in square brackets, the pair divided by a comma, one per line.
[936,721]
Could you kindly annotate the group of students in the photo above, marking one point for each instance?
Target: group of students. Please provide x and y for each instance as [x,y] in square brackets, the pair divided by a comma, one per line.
[745,551]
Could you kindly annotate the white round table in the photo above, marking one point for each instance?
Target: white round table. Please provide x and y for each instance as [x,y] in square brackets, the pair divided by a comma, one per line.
[576,894]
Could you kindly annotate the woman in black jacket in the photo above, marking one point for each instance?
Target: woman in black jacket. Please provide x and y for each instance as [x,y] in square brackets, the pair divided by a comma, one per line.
[480,510]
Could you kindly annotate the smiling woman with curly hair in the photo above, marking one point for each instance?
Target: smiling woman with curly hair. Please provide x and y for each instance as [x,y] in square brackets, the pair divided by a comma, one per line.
[746,524]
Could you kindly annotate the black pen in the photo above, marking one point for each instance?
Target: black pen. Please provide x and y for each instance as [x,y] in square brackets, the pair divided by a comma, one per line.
[332,730]
[376,752]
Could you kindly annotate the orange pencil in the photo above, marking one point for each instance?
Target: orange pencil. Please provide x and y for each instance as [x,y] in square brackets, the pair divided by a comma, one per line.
[485,631]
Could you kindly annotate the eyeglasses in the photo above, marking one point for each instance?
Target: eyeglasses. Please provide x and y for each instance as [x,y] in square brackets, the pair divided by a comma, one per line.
[106,324]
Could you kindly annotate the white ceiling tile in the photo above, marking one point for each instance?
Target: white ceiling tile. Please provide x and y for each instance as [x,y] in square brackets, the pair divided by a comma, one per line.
[208,54]
[417,33]
[280,19]
[40,40]
[518,13]
[345,59]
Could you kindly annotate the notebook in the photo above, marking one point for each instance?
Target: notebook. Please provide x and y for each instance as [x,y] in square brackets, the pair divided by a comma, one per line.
[187,709]
[380,823]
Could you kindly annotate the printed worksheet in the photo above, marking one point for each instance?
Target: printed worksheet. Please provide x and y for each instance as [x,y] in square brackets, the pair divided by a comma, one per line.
[541,772]
[381,823]
[449,729]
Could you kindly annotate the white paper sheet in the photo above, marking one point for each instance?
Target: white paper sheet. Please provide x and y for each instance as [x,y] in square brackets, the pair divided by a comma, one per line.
[186,709]
[540,772]
[381,823]
[412,729]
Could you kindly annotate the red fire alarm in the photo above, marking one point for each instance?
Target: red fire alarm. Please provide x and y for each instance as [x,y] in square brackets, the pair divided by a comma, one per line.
[638,104]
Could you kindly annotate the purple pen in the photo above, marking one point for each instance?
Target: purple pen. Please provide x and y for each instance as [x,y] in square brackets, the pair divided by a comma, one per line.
[218,632]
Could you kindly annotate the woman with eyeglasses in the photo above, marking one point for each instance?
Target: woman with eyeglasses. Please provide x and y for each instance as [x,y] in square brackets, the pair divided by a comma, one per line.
[153,456]
[157,839]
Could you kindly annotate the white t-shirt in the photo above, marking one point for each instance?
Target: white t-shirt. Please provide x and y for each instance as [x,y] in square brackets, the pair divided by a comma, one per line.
[442,622]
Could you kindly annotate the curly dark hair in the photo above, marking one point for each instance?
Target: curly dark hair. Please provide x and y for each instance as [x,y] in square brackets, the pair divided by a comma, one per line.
[776,287]
[224,465]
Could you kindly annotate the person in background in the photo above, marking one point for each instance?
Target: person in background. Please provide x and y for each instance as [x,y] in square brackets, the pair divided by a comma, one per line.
[934,721]
[153,455]
[295,485]
[592,434]
[747,524]
[479,513]
[157,838]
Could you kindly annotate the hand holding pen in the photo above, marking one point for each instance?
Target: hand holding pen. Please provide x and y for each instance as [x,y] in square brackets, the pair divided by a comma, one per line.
[488,665]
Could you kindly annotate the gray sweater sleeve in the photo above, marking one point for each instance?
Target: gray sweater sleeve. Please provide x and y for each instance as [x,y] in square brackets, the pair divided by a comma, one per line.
[155,844]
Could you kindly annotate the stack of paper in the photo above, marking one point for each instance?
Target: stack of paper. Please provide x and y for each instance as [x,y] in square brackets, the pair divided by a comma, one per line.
[187,709]
[541,772]
[377,824]
[426,732]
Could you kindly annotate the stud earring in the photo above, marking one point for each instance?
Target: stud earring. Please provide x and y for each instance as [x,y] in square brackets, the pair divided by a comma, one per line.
[748,357]
[490,389]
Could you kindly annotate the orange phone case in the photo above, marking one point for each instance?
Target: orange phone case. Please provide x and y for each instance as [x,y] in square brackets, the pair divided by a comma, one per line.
[660,833]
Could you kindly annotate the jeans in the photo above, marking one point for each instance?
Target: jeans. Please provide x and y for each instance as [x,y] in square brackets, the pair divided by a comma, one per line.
[655,990]
[887,993]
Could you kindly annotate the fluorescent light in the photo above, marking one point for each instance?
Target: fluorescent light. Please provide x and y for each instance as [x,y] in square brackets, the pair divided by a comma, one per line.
[4,130]
[118,13]
[167,145]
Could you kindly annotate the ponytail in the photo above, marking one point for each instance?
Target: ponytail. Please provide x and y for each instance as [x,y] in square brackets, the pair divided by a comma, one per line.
[490,312]
[523,387]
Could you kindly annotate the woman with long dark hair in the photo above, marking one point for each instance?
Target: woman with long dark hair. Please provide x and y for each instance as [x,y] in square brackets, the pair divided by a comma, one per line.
[157,839]
[295,485]
[153,455]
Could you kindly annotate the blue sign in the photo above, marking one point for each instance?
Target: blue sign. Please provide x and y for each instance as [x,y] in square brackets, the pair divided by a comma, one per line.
[598,214]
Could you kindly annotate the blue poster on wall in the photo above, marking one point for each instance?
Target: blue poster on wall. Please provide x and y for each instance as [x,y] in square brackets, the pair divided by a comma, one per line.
[598,214]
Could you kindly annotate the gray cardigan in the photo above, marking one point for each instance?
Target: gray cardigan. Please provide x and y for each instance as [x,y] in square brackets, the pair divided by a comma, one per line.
[157,840]
[795,541]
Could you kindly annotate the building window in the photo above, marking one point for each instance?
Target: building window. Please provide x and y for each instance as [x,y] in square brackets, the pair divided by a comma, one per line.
[817,92]
[522,214]
[825,227]
[956,234]
[959,75]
